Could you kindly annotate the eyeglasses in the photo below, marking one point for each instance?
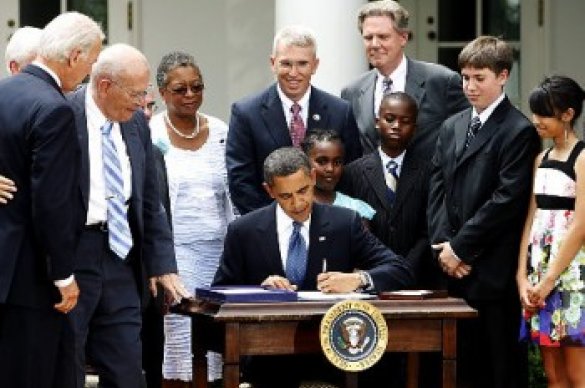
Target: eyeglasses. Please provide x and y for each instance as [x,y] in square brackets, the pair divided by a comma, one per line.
[134,95]
[182,90]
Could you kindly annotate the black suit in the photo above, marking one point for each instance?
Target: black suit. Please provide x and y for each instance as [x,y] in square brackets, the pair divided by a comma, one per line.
[39,153]
[258,127]
[402,225]
[478,201]
[112,290]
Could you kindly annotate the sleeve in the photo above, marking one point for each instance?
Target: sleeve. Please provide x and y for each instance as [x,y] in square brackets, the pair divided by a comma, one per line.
[436,212]
[245,189]
[231,265]
[54,184]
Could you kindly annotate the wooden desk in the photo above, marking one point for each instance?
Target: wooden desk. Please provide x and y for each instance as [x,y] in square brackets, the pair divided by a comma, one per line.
[238,329]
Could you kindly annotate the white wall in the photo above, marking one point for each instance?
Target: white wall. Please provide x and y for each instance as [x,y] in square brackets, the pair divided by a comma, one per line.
[230,40]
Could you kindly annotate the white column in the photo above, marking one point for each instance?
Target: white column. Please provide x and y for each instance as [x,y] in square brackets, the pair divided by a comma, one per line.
[339,45]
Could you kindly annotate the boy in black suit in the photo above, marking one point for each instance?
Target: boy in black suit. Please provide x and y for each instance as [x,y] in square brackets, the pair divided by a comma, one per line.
[394,182]
[479,193]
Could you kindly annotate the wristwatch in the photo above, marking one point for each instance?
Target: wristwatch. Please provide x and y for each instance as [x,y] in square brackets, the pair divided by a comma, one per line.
[365,280]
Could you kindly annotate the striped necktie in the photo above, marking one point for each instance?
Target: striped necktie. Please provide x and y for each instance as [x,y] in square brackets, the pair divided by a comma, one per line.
[472,130]
[296,261]
[391,176]
[119,235]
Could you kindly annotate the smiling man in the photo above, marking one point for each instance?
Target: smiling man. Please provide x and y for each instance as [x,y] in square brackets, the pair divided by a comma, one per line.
[383,26]
[281,115]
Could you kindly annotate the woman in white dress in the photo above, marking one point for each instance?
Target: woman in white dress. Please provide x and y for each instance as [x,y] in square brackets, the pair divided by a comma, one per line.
[193,145]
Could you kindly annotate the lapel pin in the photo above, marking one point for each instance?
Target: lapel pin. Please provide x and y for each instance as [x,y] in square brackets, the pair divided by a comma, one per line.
[321,238]
[316,117]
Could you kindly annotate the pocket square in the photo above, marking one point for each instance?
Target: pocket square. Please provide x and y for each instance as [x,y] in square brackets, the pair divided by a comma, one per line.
[321,238]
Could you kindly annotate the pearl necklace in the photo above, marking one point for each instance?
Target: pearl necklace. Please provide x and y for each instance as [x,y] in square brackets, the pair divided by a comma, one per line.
[190,136]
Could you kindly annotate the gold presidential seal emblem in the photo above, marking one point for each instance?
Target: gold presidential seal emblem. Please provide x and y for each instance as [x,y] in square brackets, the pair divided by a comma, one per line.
[353,335]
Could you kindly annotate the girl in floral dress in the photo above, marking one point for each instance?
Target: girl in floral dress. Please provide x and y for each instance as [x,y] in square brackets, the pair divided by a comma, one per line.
[551,269]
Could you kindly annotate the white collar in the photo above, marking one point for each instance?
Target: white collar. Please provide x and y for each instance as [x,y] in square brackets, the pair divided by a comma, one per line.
[485,115]
[288,103]
[48,70]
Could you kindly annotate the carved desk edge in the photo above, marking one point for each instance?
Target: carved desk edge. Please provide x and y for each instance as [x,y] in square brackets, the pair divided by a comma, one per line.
[438,308]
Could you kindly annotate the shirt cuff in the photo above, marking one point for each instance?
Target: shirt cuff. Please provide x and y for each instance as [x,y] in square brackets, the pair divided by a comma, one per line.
[64,282]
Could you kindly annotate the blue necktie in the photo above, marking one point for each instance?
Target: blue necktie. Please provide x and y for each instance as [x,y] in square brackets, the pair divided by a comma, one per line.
[391,179]
[296,261]
[472,131]
[119,235]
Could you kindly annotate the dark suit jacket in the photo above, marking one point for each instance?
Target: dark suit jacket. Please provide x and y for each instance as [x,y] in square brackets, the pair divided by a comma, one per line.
[39,152]
[479,196]
[153,252]
[251,251]
[401,226]
[436,89]
[258,127]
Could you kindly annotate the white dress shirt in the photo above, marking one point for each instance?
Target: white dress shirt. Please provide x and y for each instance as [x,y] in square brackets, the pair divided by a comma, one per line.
[398,77]
[287,103]
[284,229]
[97,209]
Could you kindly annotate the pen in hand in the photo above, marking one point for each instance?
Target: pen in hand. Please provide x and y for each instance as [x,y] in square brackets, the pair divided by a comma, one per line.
[324,268]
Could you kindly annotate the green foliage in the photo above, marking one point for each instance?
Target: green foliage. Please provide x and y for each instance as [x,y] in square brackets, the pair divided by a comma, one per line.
[536,377]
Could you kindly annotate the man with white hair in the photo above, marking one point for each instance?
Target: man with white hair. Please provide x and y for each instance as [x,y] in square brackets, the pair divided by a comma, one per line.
[125,236]
[281,115]
[38,152]
[22,48]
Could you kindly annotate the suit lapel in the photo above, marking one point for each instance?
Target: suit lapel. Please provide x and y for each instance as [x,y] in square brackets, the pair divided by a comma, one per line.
[375,175]
[133,148]
[269,249]
[415,80]
[318,116]
[364,111]
[274,119]
[408,175]
[486,131]
[318,237]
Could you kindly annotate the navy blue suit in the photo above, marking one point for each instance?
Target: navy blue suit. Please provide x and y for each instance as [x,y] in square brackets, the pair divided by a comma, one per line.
[258,127]
[107,320]
[39,152]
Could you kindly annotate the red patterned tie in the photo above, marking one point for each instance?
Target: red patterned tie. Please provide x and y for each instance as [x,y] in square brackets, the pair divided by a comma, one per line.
[297,127]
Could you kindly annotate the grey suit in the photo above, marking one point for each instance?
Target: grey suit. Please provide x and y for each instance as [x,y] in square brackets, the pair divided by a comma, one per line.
[436,89]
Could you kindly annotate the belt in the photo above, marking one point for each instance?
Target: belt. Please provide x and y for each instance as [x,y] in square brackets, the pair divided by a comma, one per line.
[99,227]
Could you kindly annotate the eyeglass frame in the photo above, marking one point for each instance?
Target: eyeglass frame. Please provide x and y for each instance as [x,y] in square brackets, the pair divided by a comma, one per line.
[182,91]
[136,96]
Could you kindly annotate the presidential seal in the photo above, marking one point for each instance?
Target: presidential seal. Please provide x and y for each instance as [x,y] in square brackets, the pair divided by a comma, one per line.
[353,335]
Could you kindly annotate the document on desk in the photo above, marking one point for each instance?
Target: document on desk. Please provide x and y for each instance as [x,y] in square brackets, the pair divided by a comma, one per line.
[320,296]
[244,294]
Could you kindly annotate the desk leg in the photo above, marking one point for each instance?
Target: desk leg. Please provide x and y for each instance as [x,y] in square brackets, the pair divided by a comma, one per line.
[412,370]
[351,380]
[231,361]
[449,353]
[199,359]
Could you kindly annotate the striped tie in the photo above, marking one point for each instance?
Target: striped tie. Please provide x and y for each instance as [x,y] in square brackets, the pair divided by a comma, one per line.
[391,176]
[119,235]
